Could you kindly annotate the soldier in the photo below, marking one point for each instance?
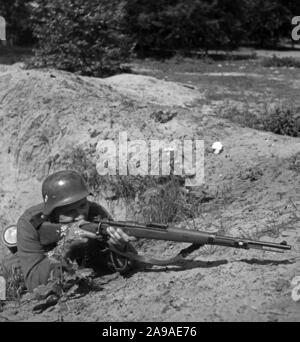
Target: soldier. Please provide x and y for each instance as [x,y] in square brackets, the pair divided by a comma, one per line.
[52,228]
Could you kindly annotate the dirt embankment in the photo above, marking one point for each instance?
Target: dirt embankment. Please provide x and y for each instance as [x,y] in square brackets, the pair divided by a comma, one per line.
[256,178]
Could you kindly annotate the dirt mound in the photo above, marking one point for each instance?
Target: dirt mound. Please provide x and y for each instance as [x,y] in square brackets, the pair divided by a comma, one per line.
[42,111]
[150,89]
[255,181]
[46,113]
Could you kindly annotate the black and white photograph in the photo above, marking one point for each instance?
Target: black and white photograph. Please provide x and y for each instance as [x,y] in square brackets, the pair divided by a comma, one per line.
[149,163]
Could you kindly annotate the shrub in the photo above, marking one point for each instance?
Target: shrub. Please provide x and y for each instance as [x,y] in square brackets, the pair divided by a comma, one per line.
[278,62]
[282,120]
[15,284]
[80,36]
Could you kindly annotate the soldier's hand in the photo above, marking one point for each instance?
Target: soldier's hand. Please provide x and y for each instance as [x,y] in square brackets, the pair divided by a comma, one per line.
[75,233]
[72,238]
[118,238]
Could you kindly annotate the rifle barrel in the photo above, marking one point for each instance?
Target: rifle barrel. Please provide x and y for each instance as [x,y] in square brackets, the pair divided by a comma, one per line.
[164,232]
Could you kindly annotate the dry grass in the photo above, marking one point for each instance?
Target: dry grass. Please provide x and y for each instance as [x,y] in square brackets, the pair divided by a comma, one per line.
[278,62]
[282,118]
[164,203]
[294,163]
[15,285]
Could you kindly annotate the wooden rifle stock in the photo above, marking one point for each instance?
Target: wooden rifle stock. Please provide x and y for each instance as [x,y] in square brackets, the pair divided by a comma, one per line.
[164,232]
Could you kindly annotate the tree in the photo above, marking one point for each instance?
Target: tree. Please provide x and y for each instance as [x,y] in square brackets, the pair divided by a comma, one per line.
[80,36]
[268,21]
[184,24]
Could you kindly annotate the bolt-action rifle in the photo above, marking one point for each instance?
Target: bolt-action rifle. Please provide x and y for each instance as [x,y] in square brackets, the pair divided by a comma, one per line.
[165,232]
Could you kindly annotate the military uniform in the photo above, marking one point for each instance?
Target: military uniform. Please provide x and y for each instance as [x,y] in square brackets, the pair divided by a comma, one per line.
[37,237]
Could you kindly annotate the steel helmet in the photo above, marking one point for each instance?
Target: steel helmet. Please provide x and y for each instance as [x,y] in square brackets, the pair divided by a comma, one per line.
[62,188]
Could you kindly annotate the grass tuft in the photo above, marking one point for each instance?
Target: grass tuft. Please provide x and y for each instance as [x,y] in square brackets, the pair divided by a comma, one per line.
[279,62]
[282,119]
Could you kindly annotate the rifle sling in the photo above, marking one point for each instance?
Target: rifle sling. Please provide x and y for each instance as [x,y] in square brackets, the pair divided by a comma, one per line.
[178,259]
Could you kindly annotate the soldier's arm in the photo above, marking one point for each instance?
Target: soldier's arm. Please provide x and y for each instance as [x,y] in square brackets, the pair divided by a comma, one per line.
[118,238]
[36,266]
[50,233]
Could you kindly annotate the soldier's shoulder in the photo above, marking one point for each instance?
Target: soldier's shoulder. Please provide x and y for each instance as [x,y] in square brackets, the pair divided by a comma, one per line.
[30,213]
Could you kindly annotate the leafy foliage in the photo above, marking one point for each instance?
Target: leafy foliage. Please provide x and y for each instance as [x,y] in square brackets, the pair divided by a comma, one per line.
[192,24]
[284,121]
[267,21]
[89,36]
[162,25]
[80,36]
[95,37]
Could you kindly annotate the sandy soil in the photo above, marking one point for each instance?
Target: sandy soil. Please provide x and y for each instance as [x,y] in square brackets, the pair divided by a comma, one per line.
[255,181]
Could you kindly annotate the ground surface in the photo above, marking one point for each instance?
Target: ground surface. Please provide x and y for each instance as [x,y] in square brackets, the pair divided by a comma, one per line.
[254,182]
